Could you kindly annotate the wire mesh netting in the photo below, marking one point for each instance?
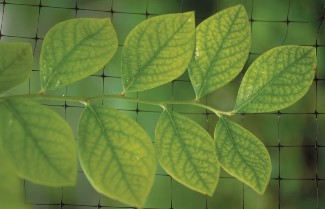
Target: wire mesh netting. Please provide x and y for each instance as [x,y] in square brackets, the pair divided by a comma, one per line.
[295,137]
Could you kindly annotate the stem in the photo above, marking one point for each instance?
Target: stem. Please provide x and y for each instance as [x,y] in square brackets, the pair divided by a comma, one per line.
[47,97]
[86,100]
[196,103]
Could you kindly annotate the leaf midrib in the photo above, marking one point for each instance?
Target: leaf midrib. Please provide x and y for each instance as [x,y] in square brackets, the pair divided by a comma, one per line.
[186,151]
[158,51]
[202,87]
[66,56]
[257,93]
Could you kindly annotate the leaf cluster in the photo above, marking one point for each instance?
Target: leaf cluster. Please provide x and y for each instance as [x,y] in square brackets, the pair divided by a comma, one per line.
[116,154]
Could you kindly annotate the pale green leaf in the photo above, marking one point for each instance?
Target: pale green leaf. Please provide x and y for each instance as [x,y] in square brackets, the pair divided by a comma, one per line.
[75,49]
[186,151]
[157,51]
[16,64]
[242,155]
[39,142]
[222,47]
[11,187]
[116,154]
[277,79]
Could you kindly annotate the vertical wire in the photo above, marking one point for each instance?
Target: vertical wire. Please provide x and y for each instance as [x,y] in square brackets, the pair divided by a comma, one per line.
[287,21]
[279,160]
[2,16]
[104,76]
[316,114]
[29,79]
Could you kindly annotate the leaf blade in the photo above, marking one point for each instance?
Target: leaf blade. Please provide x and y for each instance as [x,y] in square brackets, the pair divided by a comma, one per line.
[39,142]
[242,155]
[74,49]
[120,141]
[16,64]
[11,187]
[191,161]
[222,48]
[157,51]
[277,79]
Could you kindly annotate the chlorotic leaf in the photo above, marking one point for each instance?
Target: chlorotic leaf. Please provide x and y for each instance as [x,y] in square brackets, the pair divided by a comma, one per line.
[277,79]
[242,155]
[157,51]
[16,64]
[11,187]
[74,49]
[222,47]
[39,142]
[116,154]
[186,151]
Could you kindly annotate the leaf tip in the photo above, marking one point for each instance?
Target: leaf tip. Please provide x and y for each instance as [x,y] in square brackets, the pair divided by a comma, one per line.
[239,7]
[190,17]
[261,190]
[190,13]
[210,192]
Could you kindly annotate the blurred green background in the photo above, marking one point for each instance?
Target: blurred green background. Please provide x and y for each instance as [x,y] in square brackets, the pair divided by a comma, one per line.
[295,137]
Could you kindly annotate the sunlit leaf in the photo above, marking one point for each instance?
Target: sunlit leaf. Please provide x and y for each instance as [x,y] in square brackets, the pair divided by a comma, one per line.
[39,142]
[157,51]
[186,151]
[16,64]
[74,49]
[11,187]
[222,46]
[277,79]
[242,155]
[116,154]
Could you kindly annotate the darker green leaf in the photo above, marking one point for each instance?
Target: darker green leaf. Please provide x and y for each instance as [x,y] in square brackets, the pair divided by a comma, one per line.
[16,64]
[39,142]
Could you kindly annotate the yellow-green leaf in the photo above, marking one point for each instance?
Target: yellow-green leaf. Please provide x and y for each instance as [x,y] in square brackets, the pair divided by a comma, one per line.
[186,151]
[242,155]
[116,154]
[157,51]
[277,79]
[11,187]
[74,49]
[222,47]
[16,64]
[39,142]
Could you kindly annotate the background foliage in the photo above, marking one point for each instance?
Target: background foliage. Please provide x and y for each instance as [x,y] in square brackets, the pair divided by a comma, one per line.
[295,138]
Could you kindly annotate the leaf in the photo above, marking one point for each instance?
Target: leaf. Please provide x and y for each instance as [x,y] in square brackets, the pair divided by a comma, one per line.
[157,51]
[242,155]
[39,142]
[116,154]
[277,79]
[74,49]
[11,187]
[186,151]
[16,64]
[222,47]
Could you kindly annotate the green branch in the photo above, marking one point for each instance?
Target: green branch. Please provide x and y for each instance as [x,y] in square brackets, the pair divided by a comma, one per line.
[86,100]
